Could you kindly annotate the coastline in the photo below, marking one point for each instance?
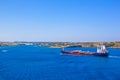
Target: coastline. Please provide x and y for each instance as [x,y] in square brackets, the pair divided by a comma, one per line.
[64,44]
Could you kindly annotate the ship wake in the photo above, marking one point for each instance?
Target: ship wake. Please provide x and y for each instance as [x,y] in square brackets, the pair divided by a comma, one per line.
[116,57]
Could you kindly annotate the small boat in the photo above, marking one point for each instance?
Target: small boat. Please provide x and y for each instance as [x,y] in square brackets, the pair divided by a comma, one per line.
[101,51]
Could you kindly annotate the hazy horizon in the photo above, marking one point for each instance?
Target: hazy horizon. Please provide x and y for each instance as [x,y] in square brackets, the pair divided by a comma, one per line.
[60,20]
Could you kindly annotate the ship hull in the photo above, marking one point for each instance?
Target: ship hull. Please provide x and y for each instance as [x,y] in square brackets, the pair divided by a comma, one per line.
[84,53]
[101,54]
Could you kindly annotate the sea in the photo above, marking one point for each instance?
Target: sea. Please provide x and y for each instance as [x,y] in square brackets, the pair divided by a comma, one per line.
[44,63]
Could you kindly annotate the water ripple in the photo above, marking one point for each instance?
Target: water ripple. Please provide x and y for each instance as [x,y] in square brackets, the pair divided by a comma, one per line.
[116,57]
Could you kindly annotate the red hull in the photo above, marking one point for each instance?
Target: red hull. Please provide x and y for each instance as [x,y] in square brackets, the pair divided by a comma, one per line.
[77,52]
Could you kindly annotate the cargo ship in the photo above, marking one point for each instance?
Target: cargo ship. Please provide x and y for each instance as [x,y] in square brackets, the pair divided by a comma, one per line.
[101,51]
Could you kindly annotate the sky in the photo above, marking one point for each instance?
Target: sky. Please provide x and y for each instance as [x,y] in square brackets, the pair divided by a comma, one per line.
[60,20]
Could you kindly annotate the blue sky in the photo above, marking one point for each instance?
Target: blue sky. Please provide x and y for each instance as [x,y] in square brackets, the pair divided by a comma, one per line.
[60,20]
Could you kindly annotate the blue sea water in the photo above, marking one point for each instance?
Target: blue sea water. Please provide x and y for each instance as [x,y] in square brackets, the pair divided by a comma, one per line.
[44,63]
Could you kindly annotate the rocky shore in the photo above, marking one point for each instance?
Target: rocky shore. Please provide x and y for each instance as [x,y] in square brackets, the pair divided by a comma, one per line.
[64,44]
[82,44]
[8,44]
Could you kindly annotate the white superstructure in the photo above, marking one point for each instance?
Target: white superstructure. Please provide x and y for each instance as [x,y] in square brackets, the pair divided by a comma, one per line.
[102,49]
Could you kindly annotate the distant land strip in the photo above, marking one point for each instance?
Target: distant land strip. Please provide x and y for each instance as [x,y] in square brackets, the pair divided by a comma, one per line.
[115,44]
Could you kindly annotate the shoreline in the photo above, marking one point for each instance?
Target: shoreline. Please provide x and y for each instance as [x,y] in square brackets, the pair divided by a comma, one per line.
[57,47]
[64,44]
